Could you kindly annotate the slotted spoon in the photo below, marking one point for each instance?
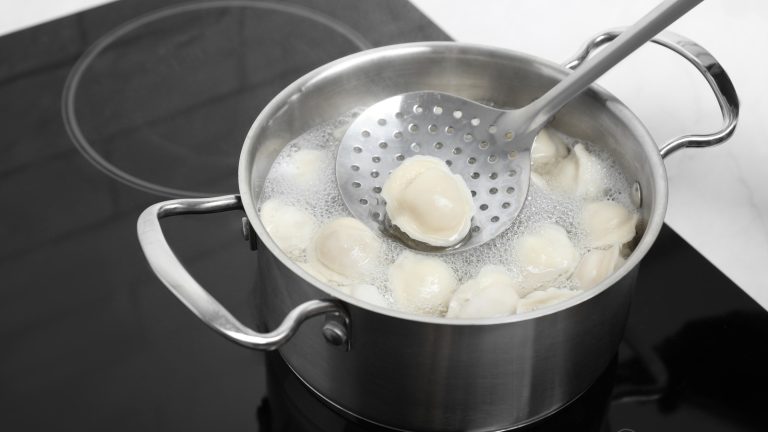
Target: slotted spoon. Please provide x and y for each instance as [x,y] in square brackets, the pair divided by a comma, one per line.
[490,148]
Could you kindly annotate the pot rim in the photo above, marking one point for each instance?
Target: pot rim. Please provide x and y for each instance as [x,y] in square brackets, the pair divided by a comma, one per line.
[652,228]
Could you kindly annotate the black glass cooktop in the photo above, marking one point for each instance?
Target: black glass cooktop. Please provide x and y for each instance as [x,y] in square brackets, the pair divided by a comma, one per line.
[108,111]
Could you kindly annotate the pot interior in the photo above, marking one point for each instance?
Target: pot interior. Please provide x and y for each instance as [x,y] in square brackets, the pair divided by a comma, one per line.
[502,78]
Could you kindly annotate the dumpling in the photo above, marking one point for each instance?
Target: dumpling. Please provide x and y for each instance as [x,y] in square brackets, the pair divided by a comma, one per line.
[323,274]
[343,251]
[538,180]
[545,255]
[490,294]
[339,132]
[369,294]
[607,223]
[290,227]
[579,174]
[303,168]
[428,202]
[596,265]
[539,299]
[421,284]
[547,151]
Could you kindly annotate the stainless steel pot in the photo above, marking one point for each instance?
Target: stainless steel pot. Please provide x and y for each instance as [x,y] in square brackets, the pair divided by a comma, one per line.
[421,373]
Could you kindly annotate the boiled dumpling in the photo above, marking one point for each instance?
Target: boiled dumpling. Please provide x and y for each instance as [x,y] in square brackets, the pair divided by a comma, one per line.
[369,294]
[491,294]
[428,202]
[607,223]
[343,251]
[547,152]
[421,284]
[579,174]
[596,265]
[323,274]
[290,227]
[339,132]
[365,292]
[545,255]
[303,168]
[539,299]
[538,180]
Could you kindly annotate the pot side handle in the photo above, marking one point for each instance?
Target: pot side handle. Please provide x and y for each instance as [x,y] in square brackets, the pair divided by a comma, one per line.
[705,63]
[172,273]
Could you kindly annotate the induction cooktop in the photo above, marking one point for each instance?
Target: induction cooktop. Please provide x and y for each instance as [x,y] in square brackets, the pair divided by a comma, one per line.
[110,110]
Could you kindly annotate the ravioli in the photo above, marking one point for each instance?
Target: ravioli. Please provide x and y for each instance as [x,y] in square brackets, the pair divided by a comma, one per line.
[428,202]
[343,251]
[491,293]
[421,284]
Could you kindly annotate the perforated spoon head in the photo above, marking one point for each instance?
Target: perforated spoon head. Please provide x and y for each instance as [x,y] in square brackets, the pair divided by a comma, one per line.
[467,135]
[489,148]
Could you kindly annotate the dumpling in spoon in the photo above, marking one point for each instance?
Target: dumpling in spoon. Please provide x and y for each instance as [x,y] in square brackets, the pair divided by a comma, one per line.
[344,251]
[545,255]
[290,227]
[428,202]
[491,294]
[539,299]
[421,284]
[607,223]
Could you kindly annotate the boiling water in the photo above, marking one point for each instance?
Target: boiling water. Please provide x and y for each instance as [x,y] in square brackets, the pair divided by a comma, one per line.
[310,184]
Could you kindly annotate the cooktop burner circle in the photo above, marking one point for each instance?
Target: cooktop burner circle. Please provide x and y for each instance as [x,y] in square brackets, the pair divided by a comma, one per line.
[164,101]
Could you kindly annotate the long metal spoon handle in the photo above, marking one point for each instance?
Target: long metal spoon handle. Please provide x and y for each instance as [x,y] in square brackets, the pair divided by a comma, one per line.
[641,32]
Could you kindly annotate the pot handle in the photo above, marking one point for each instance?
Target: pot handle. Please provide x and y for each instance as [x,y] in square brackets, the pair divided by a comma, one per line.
[705,63]
[172,273]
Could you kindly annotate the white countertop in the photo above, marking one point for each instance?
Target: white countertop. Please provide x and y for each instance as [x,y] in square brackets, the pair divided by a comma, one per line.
[718,200]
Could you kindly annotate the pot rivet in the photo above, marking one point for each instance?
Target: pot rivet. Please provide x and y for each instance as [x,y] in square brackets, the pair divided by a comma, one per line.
[335,333]
[636,196]
[249,234]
